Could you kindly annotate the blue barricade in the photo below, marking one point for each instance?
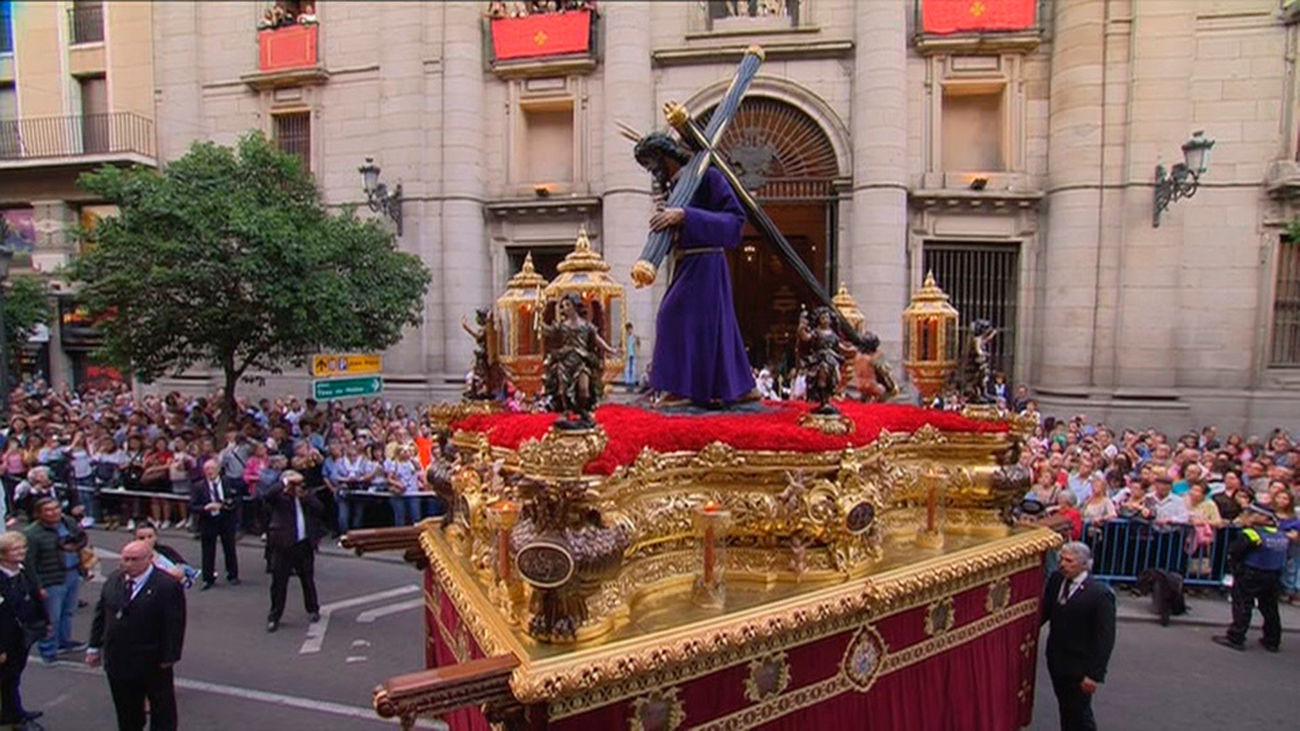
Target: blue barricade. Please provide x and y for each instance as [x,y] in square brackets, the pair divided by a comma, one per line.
[1123,549]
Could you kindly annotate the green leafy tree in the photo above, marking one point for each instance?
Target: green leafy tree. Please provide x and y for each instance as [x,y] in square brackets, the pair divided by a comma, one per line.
[228,257]
[26,305]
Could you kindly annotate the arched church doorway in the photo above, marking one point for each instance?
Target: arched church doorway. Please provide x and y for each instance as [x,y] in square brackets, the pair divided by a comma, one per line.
[784,158]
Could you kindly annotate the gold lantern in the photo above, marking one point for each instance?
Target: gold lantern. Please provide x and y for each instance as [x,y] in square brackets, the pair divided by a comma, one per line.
[852,314]
[586,273]
[520,348]
[930,338]
[848,308]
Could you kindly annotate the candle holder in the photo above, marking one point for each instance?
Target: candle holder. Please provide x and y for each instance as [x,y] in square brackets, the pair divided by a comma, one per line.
[506,591]
[711,524]
[929,534]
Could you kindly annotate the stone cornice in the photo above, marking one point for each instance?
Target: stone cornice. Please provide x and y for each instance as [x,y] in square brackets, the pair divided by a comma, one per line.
[732,52]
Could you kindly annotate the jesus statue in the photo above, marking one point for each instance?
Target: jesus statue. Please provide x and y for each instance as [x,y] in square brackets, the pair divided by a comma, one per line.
[699,356]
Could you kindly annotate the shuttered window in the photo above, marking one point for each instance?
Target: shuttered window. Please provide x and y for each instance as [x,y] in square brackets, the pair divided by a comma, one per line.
[1285,349]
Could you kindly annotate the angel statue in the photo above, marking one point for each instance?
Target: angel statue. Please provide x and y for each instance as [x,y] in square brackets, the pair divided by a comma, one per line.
[489,376]
[574,364]
[976,375]
[824,355]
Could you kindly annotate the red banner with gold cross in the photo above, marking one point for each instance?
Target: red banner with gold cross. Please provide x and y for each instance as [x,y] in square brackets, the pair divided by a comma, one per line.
[543,34]
[958,16]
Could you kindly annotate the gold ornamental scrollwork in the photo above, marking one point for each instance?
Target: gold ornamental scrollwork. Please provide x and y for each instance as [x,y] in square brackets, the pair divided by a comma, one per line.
[658,710]
[561,454]
[768,676]
[939,617]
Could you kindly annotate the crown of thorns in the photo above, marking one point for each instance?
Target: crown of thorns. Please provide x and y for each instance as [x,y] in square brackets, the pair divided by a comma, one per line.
[661,143]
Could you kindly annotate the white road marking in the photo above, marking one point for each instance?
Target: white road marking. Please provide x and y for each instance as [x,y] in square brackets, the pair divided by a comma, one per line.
[104,552]
[316,630]
[357,658]
[360,643]
[370,615]
[279,699]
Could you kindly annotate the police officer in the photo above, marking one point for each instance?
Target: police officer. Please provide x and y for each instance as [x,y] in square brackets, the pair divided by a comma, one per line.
[1256,559]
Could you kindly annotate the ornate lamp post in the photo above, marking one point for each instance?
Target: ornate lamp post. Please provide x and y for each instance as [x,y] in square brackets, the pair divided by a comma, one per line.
[1185,177]
[377,195]
[929,338]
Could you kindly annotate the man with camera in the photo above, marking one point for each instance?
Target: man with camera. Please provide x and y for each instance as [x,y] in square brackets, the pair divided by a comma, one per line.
[54,543]
[215,505]
[295,515]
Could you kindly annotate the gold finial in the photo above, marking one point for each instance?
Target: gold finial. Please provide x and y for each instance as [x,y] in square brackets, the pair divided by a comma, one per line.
[676,113]
[527,277]
[583,243]
[929,280]
[583,258]
[757,50]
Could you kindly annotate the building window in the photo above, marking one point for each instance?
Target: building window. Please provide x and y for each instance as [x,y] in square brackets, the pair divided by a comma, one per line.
[292,134]
[973,128]
[6,27]
[1285,349]
[548,142]
[983,282]
[737,14]
[86,21]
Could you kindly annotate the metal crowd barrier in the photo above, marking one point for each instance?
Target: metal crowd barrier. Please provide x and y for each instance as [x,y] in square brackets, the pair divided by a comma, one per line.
[1123,549]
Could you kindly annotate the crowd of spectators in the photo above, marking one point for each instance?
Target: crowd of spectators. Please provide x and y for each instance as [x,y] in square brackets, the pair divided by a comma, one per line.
[119,460]
[1194,483]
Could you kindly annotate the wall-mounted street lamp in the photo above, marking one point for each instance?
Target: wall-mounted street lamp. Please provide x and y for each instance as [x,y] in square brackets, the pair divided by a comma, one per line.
[377,195]
[1185,178]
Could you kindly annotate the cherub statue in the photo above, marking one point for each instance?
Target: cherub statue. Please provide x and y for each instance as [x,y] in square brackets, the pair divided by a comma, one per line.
[489,376]
[824,354]
[574,364]
[976,375]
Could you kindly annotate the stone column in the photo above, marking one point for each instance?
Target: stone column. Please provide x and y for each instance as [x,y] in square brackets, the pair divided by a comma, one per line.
[874,255]
[1069,294]
[465,266]
[399,148]
[628,95]
[1160,119]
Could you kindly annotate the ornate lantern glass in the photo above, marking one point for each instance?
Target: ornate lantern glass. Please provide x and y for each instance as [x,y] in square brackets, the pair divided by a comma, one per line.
[521,351]
[586,273]
[848,308]
[930,338]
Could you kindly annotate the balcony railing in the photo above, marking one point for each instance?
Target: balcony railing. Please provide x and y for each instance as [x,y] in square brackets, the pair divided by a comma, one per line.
[79,134]
[726,14]
[86,23]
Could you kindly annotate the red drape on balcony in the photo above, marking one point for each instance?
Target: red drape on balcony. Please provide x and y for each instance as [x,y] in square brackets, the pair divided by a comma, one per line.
[544,34]
[956,16]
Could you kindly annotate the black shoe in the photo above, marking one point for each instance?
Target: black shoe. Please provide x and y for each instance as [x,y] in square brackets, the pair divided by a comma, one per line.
[315,617]
[1226,642]
[273,625]
[233,581]
[206,585]
[1266,646]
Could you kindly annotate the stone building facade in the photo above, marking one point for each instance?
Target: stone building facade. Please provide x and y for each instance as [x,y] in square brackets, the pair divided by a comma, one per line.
[1018,165]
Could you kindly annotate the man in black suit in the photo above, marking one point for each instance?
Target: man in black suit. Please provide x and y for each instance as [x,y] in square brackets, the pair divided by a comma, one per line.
[215,507]
[294,515]
[1082,635]
[137,633]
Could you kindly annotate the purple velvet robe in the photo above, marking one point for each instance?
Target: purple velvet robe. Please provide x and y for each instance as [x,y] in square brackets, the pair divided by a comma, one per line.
[699,353]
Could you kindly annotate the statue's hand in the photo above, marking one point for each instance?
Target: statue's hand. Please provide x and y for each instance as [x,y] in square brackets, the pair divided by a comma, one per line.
[643,274]
[667,218]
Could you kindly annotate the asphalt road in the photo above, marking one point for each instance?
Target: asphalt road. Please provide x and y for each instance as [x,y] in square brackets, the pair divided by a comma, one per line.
[235,675]
[1175,678]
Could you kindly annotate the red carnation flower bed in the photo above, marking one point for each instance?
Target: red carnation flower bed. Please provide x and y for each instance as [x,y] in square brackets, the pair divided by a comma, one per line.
[631,428]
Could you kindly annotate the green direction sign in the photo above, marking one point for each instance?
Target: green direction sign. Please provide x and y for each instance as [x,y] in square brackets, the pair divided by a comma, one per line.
[336,388]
